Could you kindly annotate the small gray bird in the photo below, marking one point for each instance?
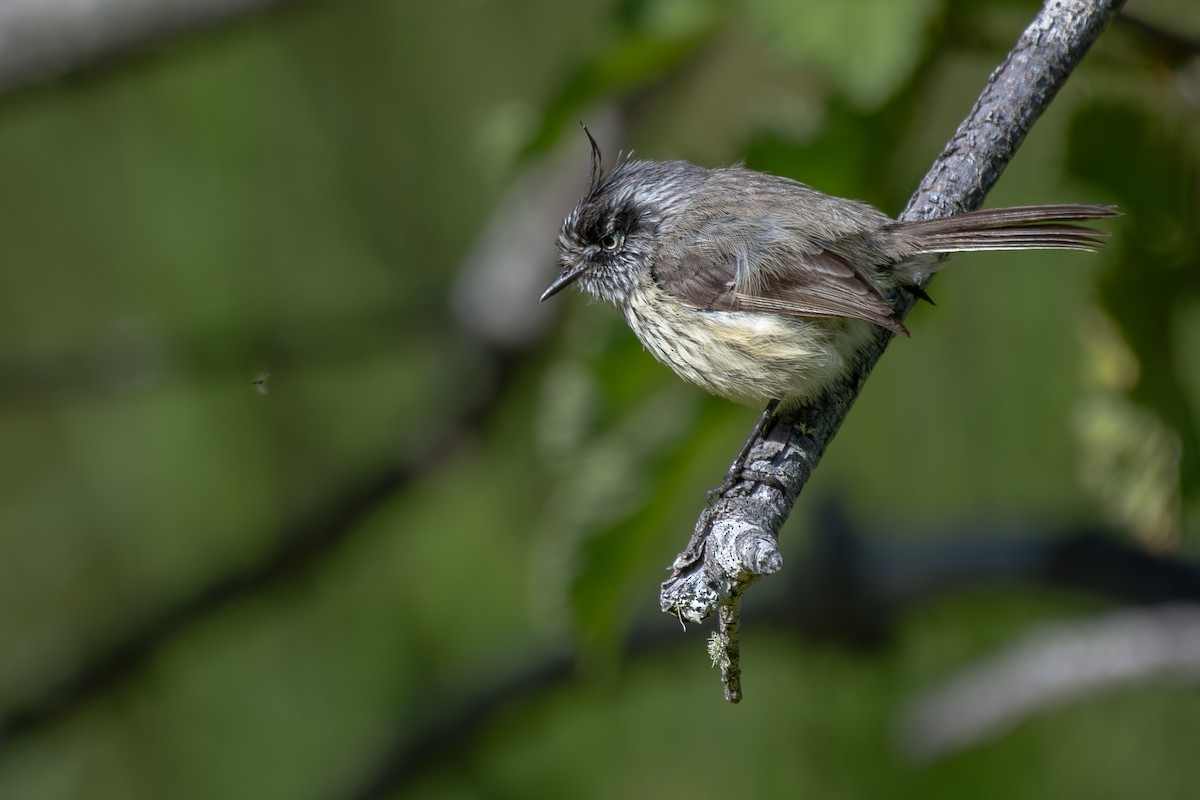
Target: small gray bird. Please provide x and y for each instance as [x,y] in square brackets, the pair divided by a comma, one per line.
[761,289]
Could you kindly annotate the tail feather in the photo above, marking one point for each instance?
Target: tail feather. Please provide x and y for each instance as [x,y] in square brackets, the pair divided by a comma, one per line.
[1014,216]
[1051,237]
[1015,228]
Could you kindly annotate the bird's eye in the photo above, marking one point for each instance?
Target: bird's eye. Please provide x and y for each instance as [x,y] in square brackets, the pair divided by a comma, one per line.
[611,241]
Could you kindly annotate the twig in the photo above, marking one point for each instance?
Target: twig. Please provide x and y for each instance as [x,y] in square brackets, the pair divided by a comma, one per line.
[735,541]
[724,647]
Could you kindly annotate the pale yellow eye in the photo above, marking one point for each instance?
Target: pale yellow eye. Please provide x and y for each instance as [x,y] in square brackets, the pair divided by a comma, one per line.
[611,241]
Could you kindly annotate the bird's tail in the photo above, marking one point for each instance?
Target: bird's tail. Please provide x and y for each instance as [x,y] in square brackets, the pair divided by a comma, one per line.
[1017,228]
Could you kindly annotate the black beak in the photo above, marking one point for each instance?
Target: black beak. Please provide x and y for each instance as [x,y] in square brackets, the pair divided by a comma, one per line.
[561,282]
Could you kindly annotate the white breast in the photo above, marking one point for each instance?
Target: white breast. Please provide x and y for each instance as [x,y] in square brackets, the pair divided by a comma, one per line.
[747,357]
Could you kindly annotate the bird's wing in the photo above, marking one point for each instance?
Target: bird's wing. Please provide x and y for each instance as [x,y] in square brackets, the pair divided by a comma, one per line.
[719,270]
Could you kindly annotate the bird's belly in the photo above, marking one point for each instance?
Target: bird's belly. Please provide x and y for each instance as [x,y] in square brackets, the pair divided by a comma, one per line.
[749,357]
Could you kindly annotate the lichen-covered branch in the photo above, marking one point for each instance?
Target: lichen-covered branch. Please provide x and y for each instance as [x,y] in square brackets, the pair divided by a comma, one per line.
[734,543]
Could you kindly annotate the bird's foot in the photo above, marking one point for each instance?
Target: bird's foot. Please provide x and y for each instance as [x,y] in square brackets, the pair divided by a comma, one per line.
[738,471]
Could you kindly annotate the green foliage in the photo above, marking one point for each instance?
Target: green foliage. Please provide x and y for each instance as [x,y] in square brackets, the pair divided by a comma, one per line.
[296,195]
[865,49]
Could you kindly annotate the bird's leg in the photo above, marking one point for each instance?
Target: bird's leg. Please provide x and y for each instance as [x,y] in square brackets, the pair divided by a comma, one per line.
[738,467]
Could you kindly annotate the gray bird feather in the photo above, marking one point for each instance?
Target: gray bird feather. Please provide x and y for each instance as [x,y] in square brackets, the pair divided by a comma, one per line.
[758,287]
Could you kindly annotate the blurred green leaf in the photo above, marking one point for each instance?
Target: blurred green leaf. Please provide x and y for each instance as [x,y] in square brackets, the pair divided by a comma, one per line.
[865,48]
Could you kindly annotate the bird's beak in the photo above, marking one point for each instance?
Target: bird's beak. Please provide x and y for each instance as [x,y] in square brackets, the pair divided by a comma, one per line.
[564,280]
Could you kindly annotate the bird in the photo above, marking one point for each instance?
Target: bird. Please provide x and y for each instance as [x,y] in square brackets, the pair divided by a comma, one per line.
[759,288]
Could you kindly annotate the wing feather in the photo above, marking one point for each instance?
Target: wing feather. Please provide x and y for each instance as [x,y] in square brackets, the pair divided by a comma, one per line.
[720,270]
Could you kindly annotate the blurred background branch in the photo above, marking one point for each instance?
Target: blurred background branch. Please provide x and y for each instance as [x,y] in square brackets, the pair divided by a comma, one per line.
[856,591]
[44,39]
[299,547]
[1049,667]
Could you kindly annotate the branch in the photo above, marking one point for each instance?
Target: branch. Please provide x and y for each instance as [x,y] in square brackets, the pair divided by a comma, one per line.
[850,591]
[735,541]
[43,39]
[1051,667]
[301,546]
